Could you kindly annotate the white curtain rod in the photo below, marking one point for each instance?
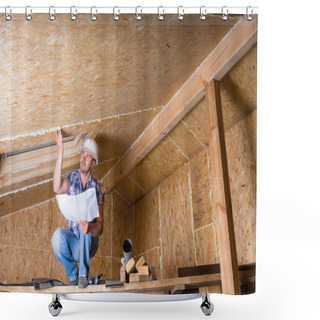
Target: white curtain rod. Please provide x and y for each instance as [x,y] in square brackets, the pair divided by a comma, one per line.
[160,10]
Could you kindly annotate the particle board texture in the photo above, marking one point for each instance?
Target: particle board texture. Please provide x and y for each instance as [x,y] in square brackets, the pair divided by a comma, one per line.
[129,189]
[178,244]
[35,108]
[146,223]
[25,242]
[190,136]
[82,60]
[181,208]
[172,226]
[176,241]
[114,92]
[241,149]
[121,225]
[159,164]
[201,188]
[238,98]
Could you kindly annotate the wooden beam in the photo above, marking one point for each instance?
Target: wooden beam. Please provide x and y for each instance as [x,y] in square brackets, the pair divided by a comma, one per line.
[221,192]
[138,287]
[135,287]
[213,268]
[178,289]
[229,51]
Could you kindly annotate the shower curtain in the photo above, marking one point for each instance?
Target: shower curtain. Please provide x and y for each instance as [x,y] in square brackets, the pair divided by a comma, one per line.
[171,102]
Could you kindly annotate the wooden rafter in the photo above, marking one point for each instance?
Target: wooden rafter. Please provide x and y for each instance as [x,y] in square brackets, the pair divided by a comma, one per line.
[229,51]
[221,192]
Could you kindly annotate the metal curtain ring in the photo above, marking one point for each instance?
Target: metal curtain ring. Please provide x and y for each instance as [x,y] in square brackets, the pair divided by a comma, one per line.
[224,15]
[6,14]
[116,16]
[180,14]
[138,16]
[93,16]
[28,13]
[51,15]
[203,15]
[160,16]
[73,16]
[248,16]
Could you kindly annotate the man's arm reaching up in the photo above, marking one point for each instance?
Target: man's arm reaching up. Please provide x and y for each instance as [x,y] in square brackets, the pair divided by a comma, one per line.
[60,184]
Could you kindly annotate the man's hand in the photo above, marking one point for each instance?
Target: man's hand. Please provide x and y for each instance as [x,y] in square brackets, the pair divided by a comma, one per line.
[84,226]
[59,140]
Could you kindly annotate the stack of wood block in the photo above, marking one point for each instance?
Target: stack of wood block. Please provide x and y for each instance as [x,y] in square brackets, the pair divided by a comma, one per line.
[136,272]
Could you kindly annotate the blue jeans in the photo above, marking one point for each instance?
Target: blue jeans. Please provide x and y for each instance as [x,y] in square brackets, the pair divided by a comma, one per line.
[70,249]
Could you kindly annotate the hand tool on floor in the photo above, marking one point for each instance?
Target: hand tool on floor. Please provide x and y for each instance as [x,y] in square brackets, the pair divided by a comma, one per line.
[94,280]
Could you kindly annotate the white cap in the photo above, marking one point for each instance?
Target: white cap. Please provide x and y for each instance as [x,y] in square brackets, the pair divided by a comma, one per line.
[91,146]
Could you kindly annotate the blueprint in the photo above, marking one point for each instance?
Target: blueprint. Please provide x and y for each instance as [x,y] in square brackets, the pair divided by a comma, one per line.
[83,206]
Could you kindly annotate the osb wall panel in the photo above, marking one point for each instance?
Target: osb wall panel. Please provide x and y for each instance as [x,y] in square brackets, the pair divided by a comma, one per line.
[186,215]
[186,233]
[190,136]
[25,242]
[159,164]
[121,225]
[146,224]
[239,89]
[178,245]
[203,214]
[185,140]
[130,190]
[105,240]
[21,264]
[207,251]
[121,229]
[115,265]
[100,264]
[241,151]
[238,98]
[82,59]
[206,246]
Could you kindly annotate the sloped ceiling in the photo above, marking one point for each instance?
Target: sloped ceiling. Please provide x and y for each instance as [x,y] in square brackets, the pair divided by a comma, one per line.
[107,79]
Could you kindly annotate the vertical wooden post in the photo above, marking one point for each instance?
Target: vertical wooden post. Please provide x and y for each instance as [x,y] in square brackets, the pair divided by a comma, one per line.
[221,192]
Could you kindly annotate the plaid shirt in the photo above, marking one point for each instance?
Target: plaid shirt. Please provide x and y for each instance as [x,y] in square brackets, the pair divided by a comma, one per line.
[75,188]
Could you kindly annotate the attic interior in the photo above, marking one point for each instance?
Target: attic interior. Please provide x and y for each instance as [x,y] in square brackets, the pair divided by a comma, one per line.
[113,82]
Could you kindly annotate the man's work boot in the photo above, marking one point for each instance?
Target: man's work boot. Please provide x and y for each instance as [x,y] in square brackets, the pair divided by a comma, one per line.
[83,282]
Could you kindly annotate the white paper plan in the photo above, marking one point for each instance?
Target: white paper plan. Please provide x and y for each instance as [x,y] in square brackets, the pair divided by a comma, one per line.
[83,206]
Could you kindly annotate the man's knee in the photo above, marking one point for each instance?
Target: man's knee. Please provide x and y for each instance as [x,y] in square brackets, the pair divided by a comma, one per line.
[57,240]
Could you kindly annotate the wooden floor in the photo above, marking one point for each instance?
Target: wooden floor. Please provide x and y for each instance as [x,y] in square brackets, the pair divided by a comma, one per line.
[174,285]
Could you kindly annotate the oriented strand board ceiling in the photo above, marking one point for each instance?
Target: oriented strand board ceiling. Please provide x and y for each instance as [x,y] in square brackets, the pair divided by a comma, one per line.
[69,73]
[109,80]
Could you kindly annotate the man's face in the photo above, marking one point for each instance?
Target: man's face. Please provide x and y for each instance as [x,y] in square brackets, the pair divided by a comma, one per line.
[86,161]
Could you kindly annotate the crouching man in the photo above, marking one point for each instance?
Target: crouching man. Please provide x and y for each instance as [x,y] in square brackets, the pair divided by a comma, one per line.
[80,241]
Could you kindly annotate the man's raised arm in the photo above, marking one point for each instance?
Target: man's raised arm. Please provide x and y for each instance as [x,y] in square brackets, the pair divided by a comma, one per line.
[60,184]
